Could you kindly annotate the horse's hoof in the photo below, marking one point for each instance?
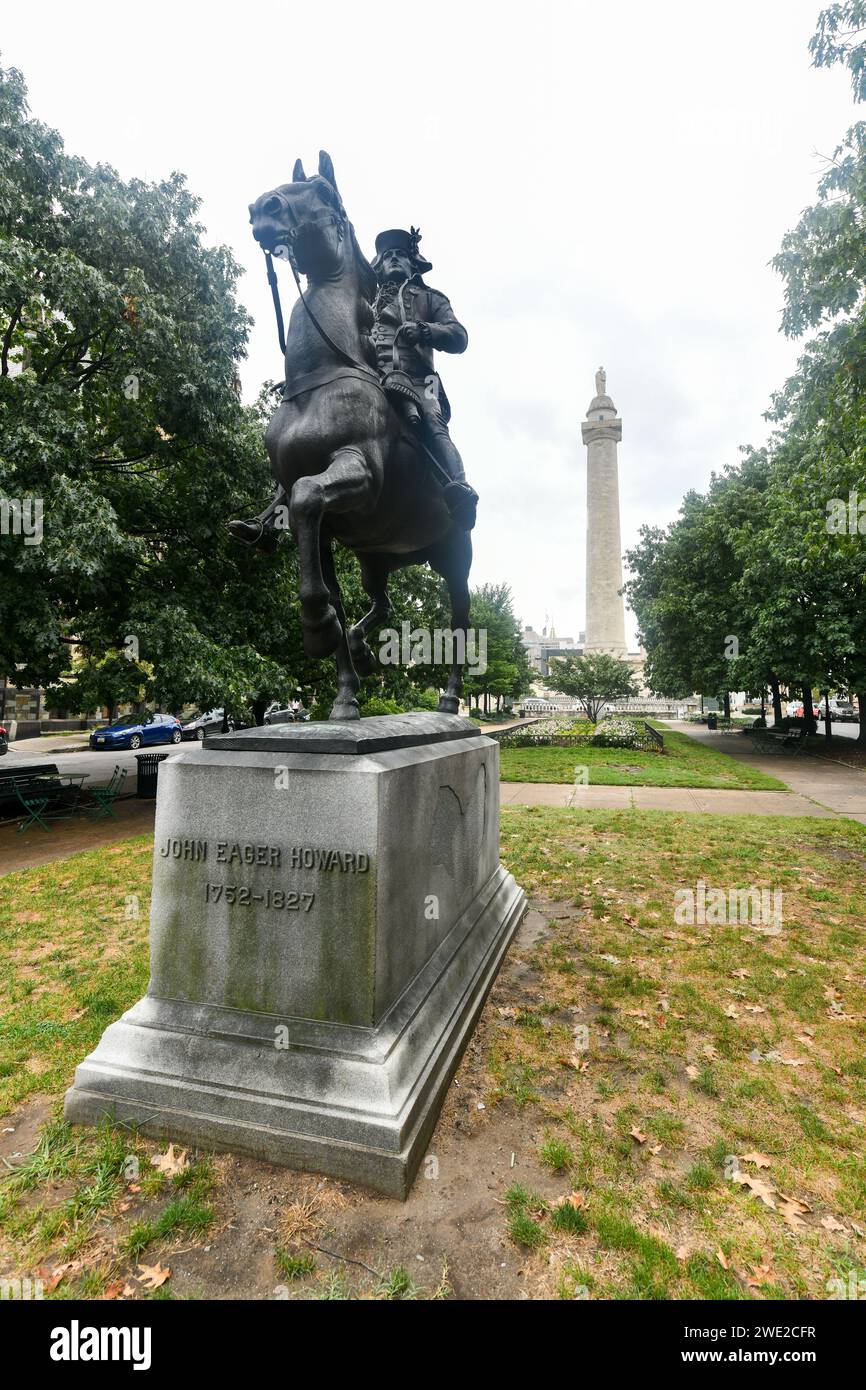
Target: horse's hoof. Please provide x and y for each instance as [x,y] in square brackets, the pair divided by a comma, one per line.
[345,709]
[324,637]
[363,659]
[448,704]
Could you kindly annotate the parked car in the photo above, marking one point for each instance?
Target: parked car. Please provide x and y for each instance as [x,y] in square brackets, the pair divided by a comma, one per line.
[292,714]
[795,711]
[843,711]
[4,740]
[200,724]
[138,731]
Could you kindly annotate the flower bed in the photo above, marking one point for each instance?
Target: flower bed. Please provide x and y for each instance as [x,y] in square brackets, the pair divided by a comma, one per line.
[566,732]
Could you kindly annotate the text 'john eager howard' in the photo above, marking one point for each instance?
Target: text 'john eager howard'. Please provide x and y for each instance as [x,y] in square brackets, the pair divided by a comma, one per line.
[295,857]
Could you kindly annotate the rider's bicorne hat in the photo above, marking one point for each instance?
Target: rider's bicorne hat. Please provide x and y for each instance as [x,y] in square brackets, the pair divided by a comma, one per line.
[396,239]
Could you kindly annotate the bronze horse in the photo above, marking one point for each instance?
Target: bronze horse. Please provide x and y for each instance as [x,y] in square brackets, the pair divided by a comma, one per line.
[339,448]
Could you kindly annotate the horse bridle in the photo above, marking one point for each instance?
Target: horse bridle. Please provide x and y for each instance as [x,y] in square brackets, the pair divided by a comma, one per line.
[341,221]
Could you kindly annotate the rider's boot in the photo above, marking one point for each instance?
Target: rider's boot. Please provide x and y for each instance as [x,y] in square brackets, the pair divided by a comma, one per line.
[262,532]
[460,498]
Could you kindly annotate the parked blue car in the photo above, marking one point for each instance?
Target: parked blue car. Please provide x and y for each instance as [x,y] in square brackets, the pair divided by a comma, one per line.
[138,731]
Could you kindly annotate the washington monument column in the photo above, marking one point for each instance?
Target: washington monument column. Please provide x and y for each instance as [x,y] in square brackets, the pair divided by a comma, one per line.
[605,615]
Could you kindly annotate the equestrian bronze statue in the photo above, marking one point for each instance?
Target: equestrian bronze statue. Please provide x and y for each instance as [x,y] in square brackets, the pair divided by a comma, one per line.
[359,443]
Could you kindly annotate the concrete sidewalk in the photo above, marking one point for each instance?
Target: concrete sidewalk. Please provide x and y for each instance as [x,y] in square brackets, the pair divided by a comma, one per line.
[694,799]
[40,745]
[826,784]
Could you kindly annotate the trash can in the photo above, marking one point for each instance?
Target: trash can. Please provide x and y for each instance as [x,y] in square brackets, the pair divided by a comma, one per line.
[148,773]
[712,721]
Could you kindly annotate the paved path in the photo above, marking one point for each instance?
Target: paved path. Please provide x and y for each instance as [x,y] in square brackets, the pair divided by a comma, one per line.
[704,801]
[827,784]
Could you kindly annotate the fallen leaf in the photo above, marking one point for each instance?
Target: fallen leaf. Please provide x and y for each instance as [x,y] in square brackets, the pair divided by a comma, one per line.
[722,1258]
[762,1190]
[831,1224]
[153,1276]
[759,1160]
[577,1200]
[709,1051]
[693,1072]
[731,1011]
[171,1162]
[112,1290]
[764,1273]
[793,1210]
[638,1135]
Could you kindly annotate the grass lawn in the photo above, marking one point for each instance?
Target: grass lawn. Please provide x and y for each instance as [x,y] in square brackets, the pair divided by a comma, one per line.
[684,763]
[715,1053]
[692,1098]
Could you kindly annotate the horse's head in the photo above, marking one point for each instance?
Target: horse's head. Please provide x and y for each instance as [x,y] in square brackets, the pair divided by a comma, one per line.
[304,220]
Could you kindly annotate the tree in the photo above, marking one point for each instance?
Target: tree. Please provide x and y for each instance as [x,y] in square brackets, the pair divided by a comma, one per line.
[839,26]
[593,678]
[508,674]
[822,408]
[686,592]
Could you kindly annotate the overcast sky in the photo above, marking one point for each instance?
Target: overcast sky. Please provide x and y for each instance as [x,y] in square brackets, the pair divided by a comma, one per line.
[595,183]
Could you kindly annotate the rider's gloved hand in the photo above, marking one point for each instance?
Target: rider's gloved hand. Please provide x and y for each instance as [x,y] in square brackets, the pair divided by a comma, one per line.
[414,333]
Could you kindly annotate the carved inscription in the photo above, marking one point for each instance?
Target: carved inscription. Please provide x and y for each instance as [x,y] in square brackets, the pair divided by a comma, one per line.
[236,853]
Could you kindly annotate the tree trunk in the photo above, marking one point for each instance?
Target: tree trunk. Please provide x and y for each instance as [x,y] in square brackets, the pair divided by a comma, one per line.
[828,730]
[777,700]
[727,704]
[861,705]
[810,725]
[258,708]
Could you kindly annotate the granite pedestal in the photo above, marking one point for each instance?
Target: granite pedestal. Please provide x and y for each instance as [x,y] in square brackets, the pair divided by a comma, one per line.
[329,913]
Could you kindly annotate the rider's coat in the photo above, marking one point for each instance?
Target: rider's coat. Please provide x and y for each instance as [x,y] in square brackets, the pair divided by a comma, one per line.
[420,304]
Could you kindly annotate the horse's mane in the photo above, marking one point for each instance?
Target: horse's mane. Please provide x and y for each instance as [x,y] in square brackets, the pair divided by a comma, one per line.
[369,283]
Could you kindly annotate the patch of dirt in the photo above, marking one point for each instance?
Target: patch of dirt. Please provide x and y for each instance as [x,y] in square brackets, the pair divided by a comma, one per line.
[19,1132]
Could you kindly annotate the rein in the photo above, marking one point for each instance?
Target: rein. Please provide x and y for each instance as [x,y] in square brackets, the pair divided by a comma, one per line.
[346,358]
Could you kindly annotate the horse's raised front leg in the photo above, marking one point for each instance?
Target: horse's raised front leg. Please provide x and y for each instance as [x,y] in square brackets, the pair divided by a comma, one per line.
[345,706]
[347,484]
